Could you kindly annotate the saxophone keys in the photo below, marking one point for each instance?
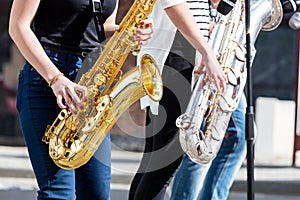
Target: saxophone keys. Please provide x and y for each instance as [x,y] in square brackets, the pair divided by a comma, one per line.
[100,79]
[232,78]
[183,121]
[240,53]
[92,121]
[56,151]
[76,146]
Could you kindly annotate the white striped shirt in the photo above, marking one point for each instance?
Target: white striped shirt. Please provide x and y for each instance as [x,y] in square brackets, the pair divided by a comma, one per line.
[201,13]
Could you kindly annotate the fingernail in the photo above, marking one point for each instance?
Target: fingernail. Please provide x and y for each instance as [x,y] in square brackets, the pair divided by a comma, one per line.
[142,23]
[149,25]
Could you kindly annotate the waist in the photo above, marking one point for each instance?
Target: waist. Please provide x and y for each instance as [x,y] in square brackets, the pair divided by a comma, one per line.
[82,54]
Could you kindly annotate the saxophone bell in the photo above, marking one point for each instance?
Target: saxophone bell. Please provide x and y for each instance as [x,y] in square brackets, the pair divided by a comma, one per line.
[191,136]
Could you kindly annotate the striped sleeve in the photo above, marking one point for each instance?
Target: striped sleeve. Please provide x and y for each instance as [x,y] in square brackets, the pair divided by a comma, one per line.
[201,13]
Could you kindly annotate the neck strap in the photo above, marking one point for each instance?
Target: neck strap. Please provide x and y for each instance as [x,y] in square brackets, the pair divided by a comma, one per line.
[97,10]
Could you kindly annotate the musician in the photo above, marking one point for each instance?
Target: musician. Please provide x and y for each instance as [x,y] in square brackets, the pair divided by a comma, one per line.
[54,36]
[163,154]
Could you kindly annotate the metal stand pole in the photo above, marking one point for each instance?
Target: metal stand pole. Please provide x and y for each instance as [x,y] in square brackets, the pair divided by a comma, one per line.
[249,110]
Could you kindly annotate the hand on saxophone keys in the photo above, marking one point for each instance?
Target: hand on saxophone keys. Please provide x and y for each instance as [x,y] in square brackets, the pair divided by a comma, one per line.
[144,31]
[211,69]
[69,92]
[142,35]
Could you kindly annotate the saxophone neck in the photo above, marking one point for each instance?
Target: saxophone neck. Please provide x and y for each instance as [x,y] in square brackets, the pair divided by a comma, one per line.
[140,10]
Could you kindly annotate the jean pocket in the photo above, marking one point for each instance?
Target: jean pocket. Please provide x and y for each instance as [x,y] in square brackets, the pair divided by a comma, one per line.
[20,90]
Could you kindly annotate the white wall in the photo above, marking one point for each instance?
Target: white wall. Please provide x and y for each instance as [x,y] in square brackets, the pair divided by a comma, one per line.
[275,131]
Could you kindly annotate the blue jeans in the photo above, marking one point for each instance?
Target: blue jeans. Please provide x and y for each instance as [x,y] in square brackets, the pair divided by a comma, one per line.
[37,108]
[213,181]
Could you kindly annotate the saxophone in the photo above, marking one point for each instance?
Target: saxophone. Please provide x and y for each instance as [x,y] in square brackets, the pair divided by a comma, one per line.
[74,138]
[203,126]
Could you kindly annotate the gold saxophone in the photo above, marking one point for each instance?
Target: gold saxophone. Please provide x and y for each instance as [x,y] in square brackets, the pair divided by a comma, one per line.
[74,138]
[209,108]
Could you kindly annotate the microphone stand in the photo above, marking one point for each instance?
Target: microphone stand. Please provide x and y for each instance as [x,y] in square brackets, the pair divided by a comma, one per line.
[249,111]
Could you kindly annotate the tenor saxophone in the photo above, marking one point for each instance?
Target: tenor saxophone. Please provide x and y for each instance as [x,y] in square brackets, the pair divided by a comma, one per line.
[74,138]
[203,125]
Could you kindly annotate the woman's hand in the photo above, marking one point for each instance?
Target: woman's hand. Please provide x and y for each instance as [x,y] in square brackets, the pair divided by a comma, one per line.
[69,92]
[210,68]
[144,32]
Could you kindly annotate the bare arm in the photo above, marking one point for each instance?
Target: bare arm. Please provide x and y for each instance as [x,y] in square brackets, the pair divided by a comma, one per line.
[184,21]
[110,23]
[21,16]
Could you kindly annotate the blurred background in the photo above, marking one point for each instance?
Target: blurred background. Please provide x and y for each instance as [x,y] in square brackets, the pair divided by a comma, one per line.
[274,88]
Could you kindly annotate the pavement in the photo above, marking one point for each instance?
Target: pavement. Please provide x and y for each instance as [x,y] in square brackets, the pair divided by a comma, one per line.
[273,181]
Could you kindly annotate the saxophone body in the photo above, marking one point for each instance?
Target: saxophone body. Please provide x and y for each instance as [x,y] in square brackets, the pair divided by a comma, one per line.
[203,126]
[74,138]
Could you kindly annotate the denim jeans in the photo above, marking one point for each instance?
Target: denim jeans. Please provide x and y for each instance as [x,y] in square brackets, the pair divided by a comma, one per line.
[37,108]
[213,181]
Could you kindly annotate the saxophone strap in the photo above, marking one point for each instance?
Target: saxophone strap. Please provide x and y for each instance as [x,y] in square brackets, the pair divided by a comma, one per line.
[97,11]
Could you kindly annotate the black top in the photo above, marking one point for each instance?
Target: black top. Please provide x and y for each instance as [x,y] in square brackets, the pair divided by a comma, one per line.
[69,23]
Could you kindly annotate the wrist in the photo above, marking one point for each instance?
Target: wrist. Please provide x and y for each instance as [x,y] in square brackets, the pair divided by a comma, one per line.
[54,79]
[206,50]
